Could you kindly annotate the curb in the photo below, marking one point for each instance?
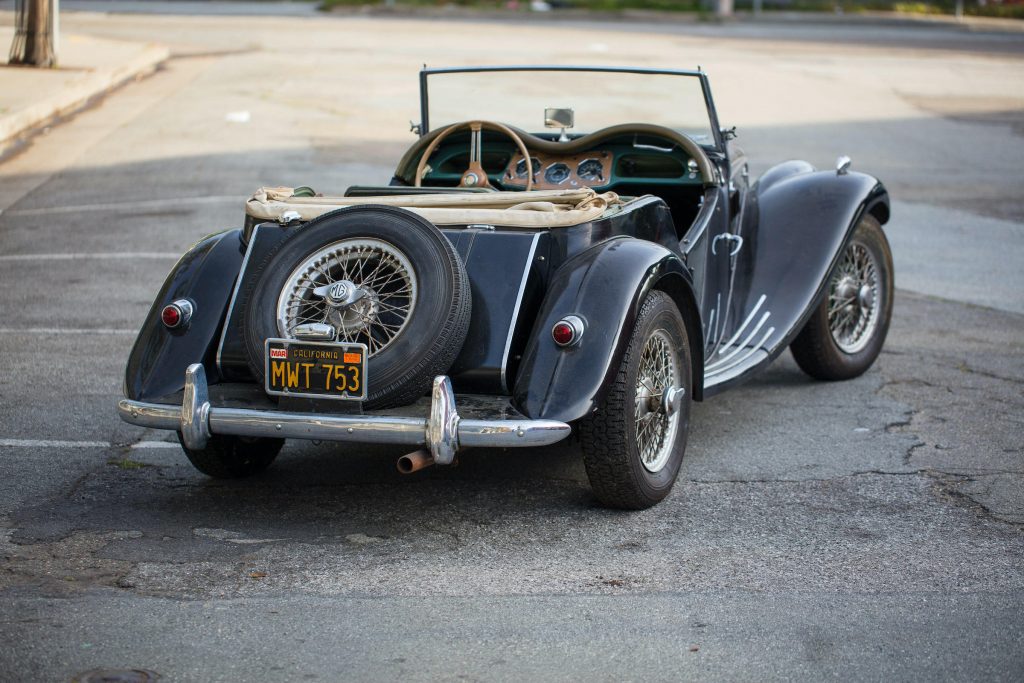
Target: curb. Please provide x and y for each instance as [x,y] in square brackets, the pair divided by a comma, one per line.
[92,85]
[634,16]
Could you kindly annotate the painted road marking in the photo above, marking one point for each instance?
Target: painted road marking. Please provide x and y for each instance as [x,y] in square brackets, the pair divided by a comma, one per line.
[101,255]
[65,330]
[126,206]
[57,443]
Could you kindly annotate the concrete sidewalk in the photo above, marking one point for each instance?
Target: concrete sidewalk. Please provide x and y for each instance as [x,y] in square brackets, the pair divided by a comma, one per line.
[89,67]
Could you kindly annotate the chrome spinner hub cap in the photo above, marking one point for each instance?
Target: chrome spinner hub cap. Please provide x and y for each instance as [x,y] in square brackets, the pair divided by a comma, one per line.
[657,400]
[853,299]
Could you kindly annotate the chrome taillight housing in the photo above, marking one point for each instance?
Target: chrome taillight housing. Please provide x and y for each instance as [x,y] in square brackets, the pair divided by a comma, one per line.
[176,314]
[568,331]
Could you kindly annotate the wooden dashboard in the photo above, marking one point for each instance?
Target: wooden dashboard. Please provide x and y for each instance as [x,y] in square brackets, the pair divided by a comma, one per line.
[561,172]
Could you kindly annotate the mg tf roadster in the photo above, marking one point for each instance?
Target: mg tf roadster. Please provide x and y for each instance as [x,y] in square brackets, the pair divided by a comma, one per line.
[562,252]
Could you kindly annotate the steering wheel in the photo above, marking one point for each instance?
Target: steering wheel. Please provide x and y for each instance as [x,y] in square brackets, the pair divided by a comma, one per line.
[474,175]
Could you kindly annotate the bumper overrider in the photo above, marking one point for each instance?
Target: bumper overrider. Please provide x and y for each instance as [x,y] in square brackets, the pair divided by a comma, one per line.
[442,433]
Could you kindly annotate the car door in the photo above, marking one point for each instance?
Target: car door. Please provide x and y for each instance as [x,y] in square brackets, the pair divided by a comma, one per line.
[735,248]
[725,254]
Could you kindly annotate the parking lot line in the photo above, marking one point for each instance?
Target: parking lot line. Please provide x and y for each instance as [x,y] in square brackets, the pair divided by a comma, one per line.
[59,443]
[84,255]
[66,330]
[123,206]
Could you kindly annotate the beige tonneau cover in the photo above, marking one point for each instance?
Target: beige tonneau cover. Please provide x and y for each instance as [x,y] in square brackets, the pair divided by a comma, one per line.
[535,209]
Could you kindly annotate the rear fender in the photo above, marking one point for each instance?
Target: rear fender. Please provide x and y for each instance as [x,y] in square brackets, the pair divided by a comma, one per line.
[205,276]
[605,286]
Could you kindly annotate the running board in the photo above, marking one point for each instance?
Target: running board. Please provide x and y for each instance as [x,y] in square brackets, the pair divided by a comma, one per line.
[743,351]
[746,359]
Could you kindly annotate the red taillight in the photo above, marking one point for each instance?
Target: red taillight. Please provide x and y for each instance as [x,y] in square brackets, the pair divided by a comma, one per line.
[176,314]
[562,333]
[567,331]
[171,315]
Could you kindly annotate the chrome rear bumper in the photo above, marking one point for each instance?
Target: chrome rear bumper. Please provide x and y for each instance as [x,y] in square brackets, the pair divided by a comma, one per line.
[443,432]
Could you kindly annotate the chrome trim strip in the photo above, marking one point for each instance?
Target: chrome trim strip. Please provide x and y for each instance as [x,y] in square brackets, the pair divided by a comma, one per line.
[737,369]
[717,341]
[234,295]
[515,311]
[709,339]
[739,347]
[718,307]
[720,375]
[750,317]
[707,206]
[443,431]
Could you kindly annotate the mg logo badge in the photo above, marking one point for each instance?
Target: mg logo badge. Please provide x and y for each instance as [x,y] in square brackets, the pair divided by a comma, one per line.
[338,291]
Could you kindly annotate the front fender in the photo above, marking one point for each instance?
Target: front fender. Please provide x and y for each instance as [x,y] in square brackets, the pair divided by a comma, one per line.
[605,285]
[795,233]
[205,275]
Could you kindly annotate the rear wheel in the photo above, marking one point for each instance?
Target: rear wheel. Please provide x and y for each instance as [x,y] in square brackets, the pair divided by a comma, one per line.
[633,444]
[845,334]
[233,457]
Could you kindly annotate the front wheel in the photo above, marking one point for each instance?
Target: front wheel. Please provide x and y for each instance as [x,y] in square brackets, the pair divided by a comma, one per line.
[633,444]
[845,333]
[233,457]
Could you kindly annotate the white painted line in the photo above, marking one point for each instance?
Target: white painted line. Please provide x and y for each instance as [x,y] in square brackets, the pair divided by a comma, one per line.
[99,255]
[155,444]
[65,330]
[56,443]
[49,443]
[125,206]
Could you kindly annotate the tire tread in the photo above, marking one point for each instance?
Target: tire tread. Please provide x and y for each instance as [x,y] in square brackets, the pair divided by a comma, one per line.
[229,457]
[814,350]
[604,436]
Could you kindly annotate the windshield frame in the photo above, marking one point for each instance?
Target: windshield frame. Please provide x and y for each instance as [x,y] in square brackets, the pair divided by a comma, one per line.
[709,102]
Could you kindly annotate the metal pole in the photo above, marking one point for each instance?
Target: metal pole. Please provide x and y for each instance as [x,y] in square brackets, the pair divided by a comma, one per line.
[56,31]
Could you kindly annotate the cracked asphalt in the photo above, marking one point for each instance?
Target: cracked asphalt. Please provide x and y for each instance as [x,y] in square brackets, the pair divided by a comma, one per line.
[867,530]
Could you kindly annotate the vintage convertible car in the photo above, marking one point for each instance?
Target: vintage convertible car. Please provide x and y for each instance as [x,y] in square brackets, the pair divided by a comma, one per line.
[591,277]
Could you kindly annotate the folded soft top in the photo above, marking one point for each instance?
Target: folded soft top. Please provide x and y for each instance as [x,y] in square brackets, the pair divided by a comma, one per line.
[537,209]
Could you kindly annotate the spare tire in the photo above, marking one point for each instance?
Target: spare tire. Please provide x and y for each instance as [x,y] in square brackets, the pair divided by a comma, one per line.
[412,311]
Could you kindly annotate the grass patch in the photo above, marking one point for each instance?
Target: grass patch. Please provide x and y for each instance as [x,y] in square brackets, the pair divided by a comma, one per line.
[127,463]
[971,7]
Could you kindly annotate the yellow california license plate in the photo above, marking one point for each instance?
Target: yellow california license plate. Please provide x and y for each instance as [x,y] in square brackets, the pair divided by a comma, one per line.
[316,369]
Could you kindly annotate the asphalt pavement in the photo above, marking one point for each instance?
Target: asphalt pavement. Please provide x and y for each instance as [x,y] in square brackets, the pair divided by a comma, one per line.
[864,530]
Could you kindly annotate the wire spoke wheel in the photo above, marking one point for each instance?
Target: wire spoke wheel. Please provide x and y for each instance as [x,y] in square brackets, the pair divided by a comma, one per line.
[634,441]
[845,332]
[655,427]
[380,293]
[853,299]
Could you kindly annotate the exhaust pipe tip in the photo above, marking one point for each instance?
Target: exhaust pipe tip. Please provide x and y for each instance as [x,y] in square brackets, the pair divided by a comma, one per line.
[415,461]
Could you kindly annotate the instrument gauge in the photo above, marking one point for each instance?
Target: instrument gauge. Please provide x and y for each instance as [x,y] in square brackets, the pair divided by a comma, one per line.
[557,173]
[521,167]
[591,171]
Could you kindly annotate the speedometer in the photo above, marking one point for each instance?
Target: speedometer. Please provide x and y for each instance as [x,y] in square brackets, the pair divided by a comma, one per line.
[521,167]
[591,171]
[557,173]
